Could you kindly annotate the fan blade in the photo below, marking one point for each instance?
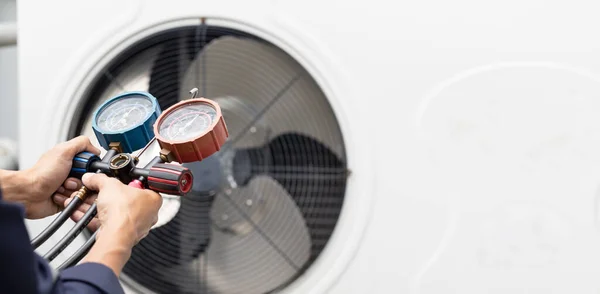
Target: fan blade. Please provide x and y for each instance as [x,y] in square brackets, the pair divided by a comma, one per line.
[260,240]
[243,75]
[307,170]
[167,71]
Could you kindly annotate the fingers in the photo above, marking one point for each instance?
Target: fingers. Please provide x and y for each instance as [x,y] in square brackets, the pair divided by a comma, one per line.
[72,184]
[80,144]
[63,200]
[69,186]
[59,199]
[90,199]
[92,225]
[95,181]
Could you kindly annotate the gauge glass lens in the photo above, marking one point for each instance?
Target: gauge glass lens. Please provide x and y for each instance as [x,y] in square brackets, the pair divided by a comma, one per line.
[125,113]
[187,122]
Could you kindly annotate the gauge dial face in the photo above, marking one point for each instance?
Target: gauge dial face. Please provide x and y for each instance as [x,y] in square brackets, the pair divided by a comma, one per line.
[123,114]
[187,122]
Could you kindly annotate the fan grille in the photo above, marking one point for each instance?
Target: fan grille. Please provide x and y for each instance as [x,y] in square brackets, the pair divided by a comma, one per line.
[258,223]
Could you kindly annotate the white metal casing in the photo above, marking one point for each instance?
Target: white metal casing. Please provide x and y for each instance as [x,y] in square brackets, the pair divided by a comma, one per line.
[478,167]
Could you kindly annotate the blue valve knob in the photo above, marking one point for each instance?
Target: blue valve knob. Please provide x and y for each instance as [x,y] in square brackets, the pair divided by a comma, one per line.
[127,119]
[82,163]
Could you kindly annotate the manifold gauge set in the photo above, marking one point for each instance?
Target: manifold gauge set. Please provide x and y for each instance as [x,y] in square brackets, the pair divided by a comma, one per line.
[188,131]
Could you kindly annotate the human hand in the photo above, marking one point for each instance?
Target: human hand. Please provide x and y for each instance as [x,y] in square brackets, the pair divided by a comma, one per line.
[34,187]
[126,215]
[122,209]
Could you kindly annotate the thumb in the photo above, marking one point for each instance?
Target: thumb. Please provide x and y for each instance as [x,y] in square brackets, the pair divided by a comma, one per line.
[93,181]
[80,144]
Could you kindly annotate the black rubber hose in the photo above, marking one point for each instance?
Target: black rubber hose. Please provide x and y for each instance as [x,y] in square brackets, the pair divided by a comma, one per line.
[79,254]
[74,232]
[56,223]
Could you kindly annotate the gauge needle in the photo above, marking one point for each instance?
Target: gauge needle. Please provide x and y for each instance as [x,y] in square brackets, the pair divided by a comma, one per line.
[190,123]
[124,119]
[180,130]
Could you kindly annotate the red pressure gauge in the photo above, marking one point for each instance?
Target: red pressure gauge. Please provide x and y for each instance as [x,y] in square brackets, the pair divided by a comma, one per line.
[191,129]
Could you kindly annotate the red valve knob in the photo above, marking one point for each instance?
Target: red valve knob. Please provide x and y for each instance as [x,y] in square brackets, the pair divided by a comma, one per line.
[170,179]
[136,184]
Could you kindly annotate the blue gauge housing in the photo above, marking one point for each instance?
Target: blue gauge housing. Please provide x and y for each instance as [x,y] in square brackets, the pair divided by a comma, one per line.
[132,138]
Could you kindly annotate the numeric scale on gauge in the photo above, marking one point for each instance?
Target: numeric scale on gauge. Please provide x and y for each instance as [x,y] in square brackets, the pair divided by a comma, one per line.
[188,131]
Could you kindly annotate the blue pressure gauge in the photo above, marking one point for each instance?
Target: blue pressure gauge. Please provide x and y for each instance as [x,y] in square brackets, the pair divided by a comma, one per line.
[127,118]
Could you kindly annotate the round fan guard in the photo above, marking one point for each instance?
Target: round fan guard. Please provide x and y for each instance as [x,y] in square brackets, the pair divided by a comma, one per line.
[282,175]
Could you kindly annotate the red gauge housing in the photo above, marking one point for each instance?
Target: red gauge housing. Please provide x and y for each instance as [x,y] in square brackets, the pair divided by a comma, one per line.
[201,146]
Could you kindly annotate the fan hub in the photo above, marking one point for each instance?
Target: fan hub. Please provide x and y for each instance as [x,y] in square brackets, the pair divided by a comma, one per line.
[207,174]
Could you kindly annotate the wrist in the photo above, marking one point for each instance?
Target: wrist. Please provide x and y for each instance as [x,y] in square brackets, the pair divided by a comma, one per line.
[112,249]
[121,232]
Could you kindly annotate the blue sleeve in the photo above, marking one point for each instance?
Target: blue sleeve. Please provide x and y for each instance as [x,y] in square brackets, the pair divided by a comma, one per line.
[24,271]
[86,278]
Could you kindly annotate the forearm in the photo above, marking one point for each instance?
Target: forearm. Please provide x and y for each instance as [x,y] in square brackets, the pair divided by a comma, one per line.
[112,248]
[14,186]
